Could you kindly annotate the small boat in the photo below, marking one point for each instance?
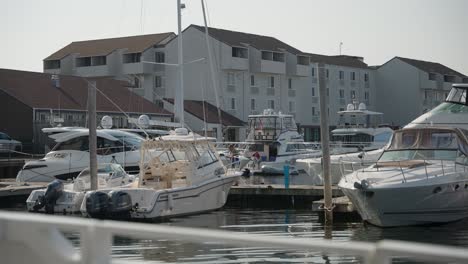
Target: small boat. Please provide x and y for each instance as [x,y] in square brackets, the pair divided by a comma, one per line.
[422,176]
[71,154]
[272,142]
[183,175]
[66,198]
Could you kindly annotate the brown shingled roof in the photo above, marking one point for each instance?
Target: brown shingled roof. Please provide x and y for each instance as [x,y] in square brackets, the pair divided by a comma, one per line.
[36,90]
[195,108]
[234,38]
[428,66]
[340,60]
[102,47]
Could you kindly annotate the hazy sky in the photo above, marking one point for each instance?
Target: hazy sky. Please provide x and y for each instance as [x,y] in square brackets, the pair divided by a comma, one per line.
[430,30]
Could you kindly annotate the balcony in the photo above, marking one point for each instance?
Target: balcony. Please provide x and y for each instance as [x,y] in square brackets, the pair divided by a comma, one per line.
[291,93]
[270,91]
[137,68]
[302,70]
[276,67]
[235,63]
[102,70]
[254,90]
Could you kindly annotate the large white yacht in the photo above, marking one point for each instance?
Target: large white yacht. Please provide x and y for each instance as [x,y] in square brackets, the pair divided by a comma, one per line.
[183,175]
[422,176]
[71,155]
[274,140]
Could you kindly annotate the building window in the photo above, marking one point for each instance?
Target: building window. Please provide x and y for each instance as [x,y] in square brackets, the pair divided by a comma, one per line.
[230,78]
[341,109]
[313,72]
[136,82]
[341,75]
[341,93]
[366,77]
[465,80]
[239,52]
[289,83]
[449,78]
[313,111]
[292,106]
[252,104]
[353,76]
[353,94]
[272,81]
[313,91]
[83,62]
[132,57]
[98,60]
[271,104]
[252,80]
[328,73]
[157,81]
[159,57]
[233,103]
[278,56]
[52,64]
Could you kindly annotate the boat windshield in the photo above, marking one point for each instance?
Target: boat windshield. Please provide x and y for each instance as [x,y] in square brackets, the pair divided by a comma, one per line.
[127,139]
[270,127]
[457,95]
[425,144]
[111,172]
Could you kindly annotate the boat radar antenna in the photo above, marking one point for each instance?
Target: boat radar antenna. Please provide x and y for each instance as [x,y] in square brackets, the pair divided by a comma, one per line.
[93,84]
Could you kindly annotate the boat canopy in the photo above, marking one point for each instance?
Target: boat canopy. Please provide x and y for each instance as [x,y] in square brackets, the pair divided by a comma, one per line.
[430,138]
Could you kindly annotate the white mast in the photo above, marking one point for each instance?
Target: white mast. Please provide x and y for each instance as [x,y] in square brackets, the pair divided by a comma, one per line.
[179,92]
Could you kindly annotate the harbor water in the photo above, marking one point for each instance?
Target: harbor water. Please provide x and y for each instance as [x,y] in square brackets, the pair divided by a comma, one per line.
[279,223]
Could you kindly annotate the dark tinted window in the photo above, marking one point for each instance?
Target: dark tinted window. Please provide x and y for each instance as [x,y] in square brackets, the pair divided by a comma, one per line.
[79,143]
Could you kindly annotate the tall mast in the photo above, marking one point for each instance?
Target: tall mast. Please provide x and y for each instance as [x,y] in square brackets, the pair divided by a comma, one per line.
[179,93]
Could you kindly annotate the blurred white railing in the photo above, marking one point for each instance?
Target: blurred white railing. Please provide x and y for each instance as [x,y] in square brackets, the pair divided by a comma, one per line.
[33,238]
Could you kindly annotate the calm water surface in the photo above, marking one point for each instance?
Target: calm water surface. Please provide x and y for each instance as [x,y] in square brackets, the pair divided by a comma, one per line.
[280,223]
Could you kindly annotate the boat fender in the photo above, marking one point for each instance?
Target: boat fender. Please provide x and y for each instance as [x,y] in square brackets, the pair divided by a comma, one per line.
[361,186]
[120,202]
[49,199]
[97,204]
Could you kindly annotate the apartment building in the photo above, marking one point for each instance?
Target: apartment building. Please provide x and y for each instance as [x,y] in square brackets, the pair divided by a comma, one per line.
[121,58]
[347,78]
[407,88]
[255,72]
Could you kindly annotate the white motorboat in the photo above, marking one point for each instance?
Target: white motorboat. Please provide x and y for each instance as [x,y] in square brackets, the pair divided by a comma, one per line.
[359,130]
[183,176]
[422,176]
[67,198]
[272,142]
[71,155]
[357,142]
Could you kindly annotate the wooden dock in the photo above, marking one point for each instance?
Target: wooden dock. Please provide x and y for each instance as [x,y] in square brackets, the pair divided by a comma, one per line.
[276,195]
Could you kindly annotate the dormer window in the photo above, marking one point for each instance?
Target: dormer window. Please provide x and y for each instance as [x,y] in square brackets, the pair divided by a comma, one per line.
[302,60]
[272,56]
[132,57]
[83,62]
[239,52]
[432,76]
[52,64]
[449,78]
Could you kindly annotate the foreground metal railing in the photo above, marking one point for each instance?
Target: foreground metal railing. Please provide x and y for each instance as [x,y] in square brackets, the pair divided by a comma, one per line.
[23,234]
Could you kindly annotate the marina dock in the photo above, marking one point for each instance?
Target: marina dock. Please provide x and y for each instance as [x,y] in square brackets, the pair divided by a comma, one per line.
[277,196]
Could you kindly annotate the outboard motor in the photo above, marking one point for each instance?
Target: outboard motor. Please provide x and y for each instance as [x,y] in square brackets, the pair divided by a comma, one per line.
[97,204]
[246,173]
[48,200]
[120,204]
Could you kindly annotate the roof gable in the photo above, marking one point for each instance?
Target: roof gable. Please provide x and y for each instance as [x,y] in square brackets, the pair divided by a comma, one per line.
[433,67]
[195,108]
[340,60]
[240,39]
[36,90]
[103,47]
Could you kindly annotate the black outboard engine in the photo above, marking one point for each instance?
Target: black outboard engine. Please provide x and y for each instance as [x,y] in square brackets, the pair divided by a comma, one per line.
[48,200]
[246,173]
[120,204]
[97,204]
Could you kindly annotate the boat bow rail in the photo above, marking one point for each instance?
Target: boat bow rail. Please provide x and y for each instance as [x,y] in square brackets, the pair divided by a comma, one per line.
[38,239]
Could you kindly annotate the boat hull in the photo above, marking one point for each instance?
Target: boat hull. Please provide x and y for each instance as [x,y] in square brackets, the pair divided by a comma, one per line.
[418,205]
[151,204]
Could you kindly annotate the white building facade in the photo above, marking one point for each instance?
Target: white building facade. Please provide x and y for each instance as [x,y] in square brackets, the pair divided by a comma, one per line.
[407,88]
